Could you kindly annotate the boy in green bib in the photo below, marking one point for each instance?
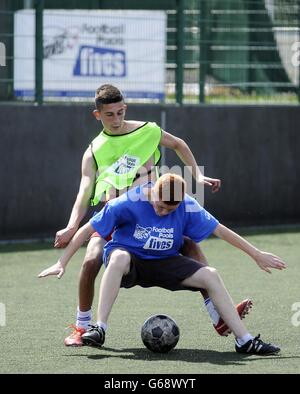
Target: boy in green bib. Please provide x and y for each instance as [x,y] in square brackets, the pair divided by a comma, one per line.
[122,156]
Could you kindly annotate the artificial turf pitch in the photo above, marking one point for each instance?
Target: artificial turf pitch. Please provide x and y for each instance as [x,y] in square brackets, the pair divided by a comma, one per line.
[38,310]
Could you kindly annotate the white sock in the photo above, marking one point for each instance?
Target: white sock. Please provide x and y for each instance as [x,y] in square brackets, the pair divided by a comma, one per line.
[83,319]
[213,313]
[102,325]
[241,341]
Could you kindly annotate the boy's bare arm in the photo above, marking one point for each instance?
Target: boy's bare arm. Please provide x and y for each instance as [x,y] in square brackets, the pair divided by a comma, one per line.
[263,259]
[80,207]
[186,156]
[79,238]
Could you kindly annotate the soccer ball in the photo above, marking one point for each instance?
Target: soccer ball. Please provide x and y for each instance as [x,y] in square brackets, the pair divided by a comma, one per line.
[160,333]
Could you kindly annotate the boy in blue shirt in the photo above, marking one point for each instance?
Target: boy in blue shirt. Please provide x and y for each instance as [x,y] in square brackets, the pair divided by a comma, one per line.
[149,225]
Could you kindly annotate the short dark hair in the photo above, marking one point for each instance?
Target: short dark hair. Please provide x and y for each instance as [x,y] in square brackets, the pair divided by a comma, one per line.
[107,94]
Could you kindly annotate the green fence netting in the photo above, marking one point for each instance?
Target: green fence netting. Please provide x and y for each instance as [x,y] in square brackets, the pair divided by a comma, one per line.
[214,50]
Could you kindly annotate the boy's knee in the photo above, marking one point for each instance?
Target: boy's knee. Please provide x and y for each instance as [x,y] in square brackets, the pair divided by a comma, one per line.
[210,273]
[91,265]
[120,260]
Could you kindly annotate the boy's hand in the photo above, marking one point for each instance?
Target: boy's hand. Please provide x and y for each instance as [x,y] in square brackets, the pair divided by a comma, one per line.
[265,261]
[56,269]
[63,237]
[214,183]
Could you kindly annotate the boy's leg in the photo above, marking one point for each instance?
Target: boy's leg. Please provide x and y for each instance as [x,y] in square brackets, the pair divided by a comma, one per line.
[209,279]
[119,265]
[193,250]
[89,270]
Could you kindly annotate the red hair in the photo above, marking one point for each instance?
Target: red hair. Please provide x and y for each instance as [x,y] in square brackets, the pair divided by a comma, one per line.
[170,189]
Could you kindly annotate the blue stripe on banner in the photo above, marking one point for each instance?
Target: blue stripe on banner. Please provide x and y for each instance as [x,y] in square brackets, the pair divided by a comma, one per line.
[80,93]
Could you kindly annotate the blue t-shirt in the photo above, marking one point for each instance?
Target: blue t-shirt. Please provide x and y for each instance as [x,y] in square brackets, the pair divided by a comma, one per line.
[138,229]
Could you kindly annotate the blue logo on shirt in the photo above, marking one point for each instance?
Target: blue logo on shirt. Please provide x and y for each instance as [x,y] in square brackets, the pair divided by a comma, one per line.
[100,62]
[159,242]
[142,232]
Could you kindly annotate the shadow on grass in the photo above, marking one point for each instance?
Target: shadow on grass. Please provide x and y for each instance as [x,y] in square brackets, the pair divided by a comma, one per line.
[187,355]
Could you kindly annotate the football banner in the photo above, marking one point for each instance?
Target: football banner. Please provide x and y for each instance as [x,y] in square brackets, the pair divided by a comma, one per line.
[83,49]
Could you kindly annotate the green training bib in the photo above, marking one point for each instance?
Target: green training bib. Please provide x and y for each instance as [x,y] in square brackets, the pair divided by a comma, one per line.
[119,157]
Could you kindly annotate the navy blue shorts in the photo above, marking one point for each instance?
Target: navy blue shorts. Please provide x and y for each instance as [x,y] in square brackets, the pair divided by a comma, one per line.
[166,273]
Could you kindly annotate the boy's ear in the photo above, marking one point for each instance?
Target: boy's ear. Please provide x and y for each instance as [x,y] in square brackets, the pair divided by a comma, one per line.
[97,114]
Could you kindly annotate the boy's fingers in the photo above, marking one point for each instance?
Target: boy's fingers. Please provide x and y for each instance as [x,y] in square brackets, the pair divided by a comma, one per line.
[41,275]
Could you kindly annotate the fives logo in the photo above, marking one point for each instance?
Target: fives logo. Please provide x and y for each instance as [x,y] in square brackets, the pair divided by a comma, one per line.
[100,62]
[157,243]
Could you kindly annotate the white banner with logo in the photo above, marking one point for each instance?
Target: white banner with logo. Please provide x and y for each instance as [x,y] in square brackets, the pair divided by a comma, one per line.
[84,49]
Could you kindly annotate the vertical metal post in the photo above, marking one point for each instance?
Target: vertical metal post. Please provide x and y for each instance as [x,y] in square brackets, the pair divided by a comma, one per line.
[27,4]
[203,48]
[39,7]
[298,57]
[251,38]
[180,51]
[163,125]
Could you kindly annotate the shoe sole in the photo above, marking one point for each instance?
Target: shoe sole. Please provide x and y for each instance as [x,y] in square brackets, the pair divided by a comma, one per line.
[271,353]
[261,354]
[245,312]
[74,345]
[90,342]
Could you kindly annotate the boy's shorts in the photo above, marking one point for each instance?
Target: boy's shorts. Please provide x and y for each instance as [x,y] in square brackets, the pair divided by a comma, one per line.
[97,235]
[166,273]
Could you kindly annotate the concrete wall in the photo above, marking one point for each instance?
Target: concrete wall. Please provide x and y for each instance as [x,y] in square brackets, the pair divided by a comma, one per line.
[254,150]
[256,153]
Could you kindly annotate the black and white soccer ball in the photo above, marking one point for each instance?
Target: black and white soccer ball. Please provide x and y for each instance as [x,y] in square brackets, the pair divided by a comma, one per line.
[160,333]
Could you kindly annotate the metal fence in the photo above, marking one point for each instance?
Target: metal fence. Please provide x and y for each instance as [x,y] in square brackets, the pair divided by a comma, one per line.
[184,51]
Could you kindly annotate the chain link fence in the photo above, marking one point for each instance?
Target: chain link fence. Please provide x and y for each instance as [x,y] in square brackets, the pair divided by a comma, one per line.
[183,51]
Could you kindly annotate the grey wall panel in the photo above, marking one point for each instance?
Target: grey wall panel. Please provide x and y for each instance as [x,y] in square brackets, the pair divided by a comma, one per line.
[254,150]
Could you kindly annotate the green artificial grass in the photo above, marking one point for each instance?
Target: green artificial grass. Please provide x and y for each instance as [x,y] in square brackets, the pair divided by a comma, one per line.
[38,310]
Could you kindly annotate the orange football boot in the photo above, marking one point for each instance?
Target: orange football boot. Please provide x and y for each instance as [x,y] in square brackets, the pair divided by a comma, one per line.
[242,308]
[74,339]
